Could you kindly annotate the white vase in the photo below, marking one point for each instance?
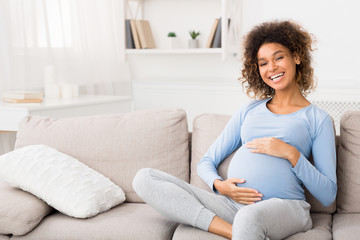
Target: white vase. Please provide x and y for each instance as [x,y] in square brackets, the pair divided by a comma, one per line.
[173,42]
[193,43]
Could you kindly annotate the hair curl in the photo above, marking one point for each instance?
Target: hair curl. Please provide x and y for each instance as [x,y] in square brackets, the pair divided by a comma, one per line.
[288,34]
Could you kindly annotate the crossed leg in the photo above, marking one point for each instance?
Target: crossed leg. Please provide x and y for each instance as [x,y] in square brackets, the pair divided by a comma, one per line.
[187,204]
[181,201]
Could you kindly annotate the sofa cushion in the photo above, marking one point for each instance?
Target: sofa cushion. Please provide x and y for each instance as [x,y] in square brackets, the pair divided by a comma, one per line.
[191,233]
[346,226]
[348,171]
[126,221]
[116,146]
[206,128]
[60,180]
[4,237]
[321,230]
[20,211]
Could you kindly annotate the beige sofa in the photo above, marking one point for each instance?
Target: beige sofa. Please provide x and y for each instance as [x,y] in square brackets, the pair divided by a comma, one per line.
[118,145]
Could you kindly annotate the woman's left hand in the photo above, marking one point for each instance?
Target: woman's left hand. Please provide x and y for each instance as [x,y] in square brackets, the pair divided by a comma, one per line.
[274,147]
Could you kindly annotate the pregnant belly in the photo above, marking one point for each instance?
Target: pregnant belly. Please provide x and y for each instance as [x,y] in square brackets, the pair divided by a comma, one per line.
[271,176]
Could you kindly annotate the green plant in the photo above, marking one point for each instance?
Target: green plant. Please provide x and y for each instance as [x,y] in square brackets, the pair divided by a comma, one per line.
[171,34]
[194,34]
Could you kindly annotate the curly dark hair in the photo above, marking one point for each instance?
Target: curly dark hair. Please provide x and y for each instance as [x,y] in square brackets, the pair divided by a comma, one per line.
[288,34]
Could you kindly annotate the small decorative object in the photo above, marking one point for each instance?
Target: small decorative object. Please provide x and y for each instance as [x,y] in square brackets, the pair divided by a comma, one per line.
[193,42]
[173,40]
[51,87]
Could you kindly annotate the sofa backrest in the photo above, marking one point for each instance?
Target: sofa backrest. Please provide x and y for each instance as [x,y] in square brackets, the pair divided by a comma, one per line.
[206,128]
[117,145]
[348,171]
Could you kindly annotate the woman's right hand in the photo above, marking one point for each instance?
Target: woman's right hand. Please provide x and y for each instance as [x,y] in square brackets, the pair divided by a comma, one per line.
[238,194]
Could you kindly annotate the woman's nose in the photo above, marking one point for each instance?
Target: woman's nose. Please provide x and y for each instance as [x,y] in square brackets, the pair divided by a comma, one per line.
[272,67]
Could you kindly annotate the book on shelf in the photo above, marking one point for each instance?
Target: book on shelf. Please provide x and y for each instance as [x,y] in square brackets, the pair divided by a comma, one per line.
[13,100]
[22,95]
[129,36]
[135,34]
[212,34]
[217,37]
[145,34]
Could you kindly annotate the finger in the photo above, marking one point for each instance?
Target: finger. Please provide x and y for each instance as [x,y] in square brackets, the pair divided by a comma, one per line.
[247,195]
[251,199]
[237,180]
[247,190]
[255,145]
[254,193]
[246,203]
[250,145]
[257,150]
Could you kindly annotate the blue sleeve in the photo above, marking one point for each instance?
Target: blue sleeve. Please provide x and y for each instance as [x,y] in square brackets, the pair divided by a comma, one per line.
[228,141]
[320,178]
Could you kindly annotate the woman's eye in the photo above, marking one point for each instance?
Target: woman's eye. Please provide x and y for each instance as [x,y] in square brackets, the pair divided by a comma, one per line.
[278,58]
[262,64]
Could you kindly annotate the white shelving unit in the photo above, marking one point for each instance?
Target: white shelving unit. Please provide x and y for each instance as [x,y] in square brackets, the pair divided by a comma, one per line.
[136,9]
[12,113]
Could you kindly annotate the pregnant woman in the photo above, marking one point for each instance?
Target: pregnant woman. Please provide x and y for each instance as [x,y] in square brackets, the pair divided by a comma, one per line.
[273,136]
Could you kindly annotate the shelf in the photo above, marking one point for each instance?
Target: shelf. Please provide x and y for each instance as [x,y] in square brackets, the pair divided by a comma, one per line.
[180,17]
[175,51]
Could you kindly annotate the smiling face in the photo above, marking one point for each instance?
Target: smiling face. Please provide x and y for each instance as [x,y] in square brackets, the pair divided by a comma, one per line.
[277,66]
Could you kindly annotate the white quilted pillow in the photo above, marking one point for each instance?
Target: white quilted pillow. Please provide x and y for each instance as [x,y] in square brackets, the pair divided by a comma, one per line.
[62,181]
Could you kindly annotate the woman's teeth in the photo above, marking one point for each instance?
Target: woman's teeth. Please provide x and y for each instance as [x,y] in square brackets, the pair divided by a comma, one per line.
[276,76]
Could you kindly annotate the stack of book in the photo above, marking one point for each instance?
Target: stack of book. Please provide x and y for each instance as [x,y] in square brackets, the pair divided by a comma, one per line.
[138,34]
[23,97]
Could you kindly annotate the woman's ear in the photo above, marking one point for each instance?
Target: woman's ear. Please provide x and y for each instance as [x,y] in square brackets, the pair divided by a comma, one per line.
[296,59]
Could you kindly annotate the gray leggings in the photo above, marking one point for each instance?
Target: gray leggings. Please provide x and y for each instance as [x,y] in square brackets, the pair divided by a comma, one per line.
[184,203]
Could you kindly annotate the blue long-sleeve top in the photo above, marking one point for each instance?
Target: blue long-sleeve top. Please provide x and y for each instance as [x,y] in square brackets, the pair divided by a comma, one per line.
[309,129]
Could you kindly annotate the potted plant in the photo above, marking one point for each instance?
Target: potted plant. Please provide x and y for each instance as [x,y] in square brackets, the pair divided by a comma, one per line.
[171,34]
[173,41]
[193,42]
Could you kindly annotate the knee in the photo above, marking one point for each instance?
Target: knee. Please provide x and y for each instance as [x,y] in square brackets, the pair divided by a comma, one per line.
[248,224]
[248,216]
[141,181]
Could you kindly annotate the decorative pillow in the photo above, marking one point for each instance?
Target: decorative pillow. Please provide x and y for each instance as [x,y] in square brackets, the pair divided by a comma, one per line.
[60,180]
[20,211]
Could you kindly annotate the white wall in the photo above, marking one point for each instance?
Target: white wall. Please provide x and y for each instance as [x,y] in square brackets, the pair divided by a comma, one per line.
[335,25]
[191,81]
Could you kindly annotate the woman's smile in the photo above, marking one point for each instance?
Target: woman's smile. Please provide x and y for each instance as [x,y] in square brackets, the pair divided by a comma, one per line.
[277,77]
